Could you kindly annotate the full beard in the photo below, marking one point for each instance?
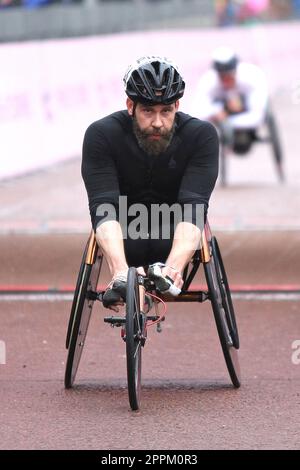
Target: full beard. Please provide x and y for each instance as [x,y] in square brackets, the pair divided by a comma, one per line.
[153,147]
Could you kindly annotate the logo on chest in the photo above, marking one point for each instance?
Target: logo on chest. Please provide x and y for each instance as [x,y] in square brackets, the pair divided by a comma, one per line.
[172,163]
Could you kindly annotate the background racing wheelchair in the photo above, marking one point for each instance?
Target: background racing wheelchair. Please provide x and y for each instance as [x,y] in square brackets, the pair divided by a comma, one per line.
[267,133]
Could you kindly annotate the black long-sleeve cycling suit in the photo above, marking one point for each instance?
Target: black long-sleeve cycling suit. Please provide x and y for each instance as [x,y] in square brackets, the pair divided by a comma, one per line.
[113,164]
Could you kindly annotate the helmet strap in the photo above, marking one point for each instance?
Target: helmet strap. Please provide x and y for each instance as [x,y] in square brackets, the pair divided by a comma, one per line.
[134,108]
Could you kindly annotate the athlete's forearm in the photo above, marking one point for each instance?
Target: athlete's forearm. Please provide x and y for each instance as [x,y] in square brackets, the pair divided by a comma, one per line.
[186,241]
[110,239]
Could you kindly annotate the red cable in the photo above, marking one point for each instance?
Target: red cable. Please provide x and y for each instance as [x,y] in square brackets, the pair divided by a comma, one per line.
[160,317]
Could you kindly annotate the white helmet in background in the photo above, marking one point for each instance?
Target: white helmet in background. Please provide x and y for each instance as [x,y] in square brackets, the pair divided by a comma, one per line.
[224,59]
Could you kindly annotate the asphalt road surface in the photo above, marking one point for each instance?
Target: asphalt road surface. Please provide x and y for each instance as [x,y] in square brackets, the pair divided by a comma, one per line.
[187,399]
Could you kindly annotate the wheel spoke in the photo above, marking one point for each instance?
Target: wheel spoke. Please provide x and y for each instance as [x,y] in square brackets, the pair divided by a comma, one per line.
[137,348]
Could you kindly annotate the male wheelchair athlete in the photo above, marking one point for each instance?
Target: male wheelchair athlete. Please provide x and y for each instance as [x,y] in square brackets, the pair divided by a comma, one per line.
[135,323]
[267,133]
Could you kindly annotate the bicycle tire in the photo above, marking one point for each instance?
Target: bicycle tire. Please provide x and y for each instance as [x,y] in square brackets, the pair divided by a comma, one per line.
[81,317]
[134,332]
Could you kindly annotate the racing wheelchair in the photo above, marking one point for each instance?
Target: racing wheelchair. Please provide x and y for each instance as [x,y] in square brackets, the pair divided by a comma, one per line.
[135,322]
[267,133]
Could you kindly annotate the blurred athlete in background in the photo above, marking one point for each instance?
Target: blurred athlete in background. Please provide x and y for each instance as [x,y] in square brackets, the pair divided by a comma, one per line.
[234,96]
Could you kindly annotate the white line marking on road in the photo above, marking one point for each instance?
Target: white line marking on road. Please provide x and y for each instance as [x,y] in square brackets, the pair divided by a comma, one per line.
[36,297]
[67,297]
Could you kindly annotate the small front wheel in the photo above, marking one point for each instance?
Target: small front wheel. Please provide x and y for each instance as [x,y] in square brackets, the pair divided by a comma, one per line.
[134,327]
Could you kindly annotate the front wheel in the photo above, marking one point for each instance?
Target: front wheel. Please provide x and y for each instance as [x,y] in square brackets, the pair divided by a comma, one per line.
[134,328]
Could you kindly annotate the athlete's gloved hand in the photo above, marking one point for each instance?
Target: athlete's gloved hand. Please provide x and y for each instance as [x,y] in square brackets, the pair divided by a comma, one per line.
[164,282]
[115,292]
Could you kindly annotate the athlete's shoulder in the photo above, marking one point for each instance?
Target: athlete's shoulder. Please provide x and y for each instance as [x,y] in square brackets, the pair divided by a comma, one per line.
[117,120]
[249,72]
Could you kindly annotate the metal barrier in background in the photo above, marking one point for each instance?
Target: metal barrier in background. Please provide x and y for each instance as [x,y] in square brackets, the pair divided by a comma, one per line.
[91,17]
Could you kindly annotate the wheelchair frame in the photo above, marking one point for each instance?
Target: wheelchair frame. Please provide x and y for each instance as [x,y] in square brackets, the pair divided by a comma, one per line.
[134,324]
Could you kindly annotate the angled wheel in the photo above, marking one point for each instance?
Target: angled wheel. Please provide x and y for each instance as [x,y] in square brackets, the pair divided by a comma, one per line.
[80,314]
[134,327]
[222,306]
[225,293]
[276,145]
[223,165]
[76,292]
